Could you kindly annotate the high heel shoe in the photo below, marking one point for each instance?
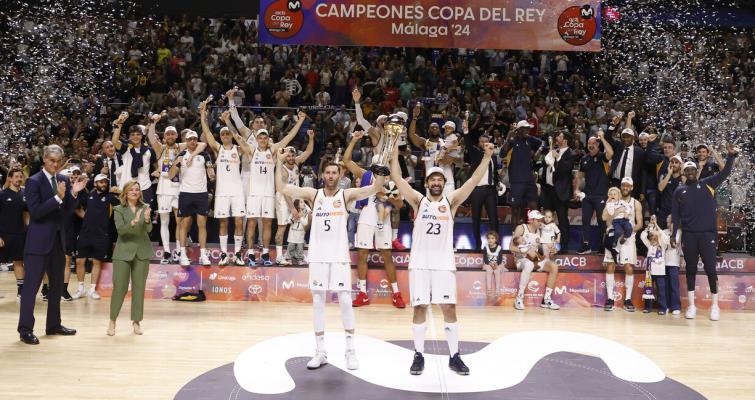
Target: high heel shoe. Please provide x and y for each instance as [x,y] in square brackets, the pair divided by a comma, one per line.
[137,329]
[111,328]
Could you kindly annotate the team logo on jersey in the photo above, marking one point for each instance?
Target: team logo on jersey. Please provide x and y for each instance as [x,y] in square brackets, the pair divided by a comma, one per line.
[268,156]
[337,203]
[233,155]
[442,208]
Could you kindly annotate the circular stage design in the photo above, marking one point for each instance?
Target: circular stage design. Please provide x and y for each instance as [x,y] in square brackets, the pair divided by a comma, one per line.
[520,366]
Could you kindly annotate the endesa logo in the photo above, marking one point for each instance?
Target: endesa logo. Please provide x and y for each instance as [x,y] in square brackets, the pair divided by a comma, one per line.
[254,277]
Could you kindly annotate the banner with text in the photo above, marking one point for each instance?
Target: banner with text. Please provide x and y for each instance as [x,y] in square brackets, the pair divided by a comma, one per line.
[480,24]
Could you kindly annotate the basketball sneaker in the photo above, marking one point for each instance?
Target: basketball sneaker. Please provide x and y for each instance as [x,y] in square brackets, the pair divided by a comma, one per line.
[519,303]
[318,360]
[266,261]
[585,249]
[238,259]
[418,365]
[609,305]
[457,365]
[166,258]
[691,312]
[250,259]
[351,360]
[715,313]
[397,245]
[184,260]
[549,304]
[676,312]
[175,256]
[45,291]
[223,259]
[80,292]
[397,300]
[628,306]
[93,294]
[361,300]
[281,261]
[66,296]
[204,260]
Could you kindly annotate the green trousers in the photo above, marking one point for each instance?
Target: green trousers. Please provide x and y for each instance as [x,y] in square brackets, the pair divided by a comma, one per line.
[124,271]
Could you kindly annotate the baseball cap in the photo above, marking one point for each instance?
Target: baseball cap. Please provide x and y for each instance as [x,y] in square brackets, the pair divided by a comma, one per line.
[524,124]
[402,115]
[434,170]
[677,158]
[627,131]
[701,145]
[191,134]
[644,134]
[171,128]
[100,177]
[451,124]
[535,214]
[263,131]
[628,180]
[689,164]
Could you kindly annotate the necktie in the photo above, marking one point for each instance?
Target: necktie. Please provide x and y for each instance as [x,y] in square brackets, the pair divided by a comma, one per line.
[491,170]
[54,184]
[623,168]
[111,172]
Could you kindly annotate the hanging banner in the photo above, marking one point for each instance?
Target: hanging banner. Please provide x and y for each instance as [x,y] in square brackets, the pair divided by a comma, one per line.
[481,24]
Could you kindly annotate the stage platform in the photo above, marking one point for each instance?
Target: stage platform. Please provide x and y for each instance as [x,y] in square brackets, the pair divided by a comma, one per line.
[581,283]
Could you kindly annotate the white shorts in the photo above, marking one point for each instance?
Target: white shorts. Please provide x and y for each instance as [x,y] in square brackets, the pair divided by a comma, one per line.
[229,206]
[427,286]
[370,237]
[166,203]
[522,262]
[260,207]
[627,253]
[282,213]
[330,276]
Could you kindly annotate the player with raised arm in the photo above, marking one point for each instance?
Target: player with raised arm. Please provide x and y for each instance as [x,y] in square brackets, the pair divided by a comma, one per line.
[432,266]
[329,260]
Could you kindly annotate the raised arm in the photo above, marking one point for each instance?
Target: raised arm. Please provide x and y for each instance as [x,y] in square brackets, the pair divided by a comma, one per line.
[152,138]
[412,196]
[117,125]
[356,96]
[285,189]
[206,133]
[291,134]
[630,117]
[606,146]
[721,176]
[412,133]
[307,151]
[459,195]
[235,114]
[577,183]
[716,156]
[347,161]
[364,192]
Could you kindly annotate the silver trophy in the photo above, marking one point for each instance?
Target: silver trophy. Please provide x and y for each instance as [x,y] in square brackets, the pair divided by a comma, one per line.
[391,132]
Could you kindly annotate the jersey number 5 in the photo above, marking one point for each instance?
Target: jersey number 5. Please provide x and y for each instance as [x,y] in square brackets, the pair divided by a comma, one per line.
[433,229]
[327,225]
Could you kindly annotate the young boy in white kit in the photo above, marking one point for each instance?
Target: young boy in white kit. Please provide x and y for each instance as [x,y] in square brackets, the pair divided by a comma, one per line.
[657,242]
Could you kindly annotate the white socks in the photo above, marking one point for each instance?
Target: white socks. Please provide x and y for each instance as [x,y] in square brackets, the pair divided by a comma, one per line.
[278,251]
[265,250]
[237,241]
[628,286]
[165,231]
[362,285]
[394,287]
[320,342]
[418,332]
[691,298]
[224,243]
[452,336]
[715,299]
[548,292]
[609,285]
[395,234]
[349,341]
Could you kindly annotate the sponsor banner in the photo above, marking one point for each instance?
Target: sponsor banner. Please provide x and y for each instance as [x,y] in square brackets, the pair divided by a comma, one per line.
[464,260]
[479,24]
[286,284]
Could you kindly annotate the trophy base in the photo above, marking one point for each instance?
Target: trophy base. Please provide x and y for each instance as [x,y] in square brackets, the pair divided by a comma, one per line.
[380,170]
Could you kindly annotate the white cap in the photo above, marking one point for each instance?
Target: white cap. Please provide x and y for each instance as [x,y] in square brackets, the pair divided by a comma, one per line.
[451,124]
[100,177]
[628,180]
[535,214]
[171,128]
[434,123]
[74,168]
[689,164]
[435,170]
[263,130]
[402,115]
[644,134]
[524,124]
[677,158]
[191,134]
[627,131]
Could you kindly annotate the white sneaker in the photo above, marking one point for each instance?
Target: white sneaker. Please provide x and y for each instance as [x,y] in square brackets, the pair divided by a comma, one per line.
[318,360]
[691,312]
[549,304]
[224,259]
[80,292]
[676,312]
[519,303]
[93,294]
[715,313]
[204,260]
[282,261]
[351,360]
[183,260]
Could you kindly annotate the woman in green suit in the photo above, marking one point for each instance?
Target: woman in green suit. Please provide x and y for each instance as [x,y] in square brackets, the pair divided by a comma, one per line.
[131,256]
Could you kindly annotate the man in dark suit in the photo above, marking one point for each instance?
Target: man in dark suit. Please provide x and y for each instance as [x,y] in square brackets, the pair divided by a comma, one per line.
[630,160]
[486,192]
[48,197]
[556,183]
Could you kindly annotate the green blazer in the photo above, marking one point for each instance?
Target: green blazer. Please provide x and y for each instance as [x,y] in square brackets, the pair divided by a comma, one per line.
[133,241]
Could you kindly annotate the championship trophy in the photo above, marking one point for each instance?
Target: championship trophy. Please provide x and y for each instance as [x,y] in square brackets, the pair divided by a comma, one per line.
[391,131]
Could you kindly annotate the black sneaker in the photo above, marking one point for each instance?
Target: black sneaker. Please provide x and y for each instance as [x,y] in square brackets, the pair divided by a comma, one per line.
[418,365]
[628,306]
[266,259]
[66,296]
[251,260]
[239,259]
[609,305]
[585,249]
[166,258]
[457,365]
[45,290]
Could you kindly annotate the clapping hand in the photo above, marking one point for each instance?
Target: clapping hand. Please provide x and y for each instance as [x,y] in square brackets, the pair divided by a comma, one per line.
[147,214]
[79,186]
[61,189]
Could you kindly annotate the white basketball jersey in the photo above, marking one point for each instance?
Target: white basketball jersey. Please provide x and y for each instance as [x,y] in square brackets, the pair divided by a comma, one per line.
[328,238]
[227,173]
[531,238]
[293,175]
[165,185]
[262,178]
[433,237]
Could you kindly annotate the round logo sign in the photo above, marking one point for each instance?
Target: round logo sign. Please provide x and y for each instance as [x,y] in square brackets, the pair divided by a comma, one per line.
[284,18]
[577,25]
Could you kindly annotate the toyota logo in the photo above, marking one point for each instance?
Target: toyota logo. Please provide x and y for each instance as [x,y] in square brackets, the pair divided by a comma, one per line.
[255,289]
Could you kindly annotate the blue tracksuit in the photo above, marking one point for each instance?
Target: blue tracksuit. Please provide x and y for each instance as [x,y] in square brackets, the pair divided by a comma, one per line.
[693,209]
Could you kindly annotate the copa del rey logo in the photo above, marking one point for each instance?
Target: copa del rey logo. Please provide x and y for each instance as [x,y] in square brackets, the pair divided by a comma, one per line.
[284,18]
[577,25]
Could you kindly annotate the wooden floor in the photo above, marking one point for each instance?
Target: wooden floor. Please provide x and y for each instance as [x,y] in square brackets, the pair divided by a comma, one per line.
[184,340]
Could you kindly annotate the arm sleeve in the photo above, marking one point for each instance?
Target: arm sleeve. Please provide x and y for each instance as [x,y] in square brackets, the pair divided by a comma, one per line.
[360,118]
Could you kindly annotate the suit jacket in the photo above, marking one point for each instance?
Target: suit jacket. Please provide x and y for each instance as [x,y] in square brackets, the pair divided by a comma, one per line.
[46,214]
[474,155]
[562,175]
[133,241]
[642,161]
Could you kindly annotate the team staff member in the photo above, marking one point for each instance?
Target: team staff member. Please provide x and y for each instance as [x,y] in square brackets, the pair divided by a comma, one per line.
[485,194]
[669,181]
[48,196]
[693,211]
[521,149]
[593,170]
[136,156]
[131,255]
[557,184]
[94,239]
[14,217]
